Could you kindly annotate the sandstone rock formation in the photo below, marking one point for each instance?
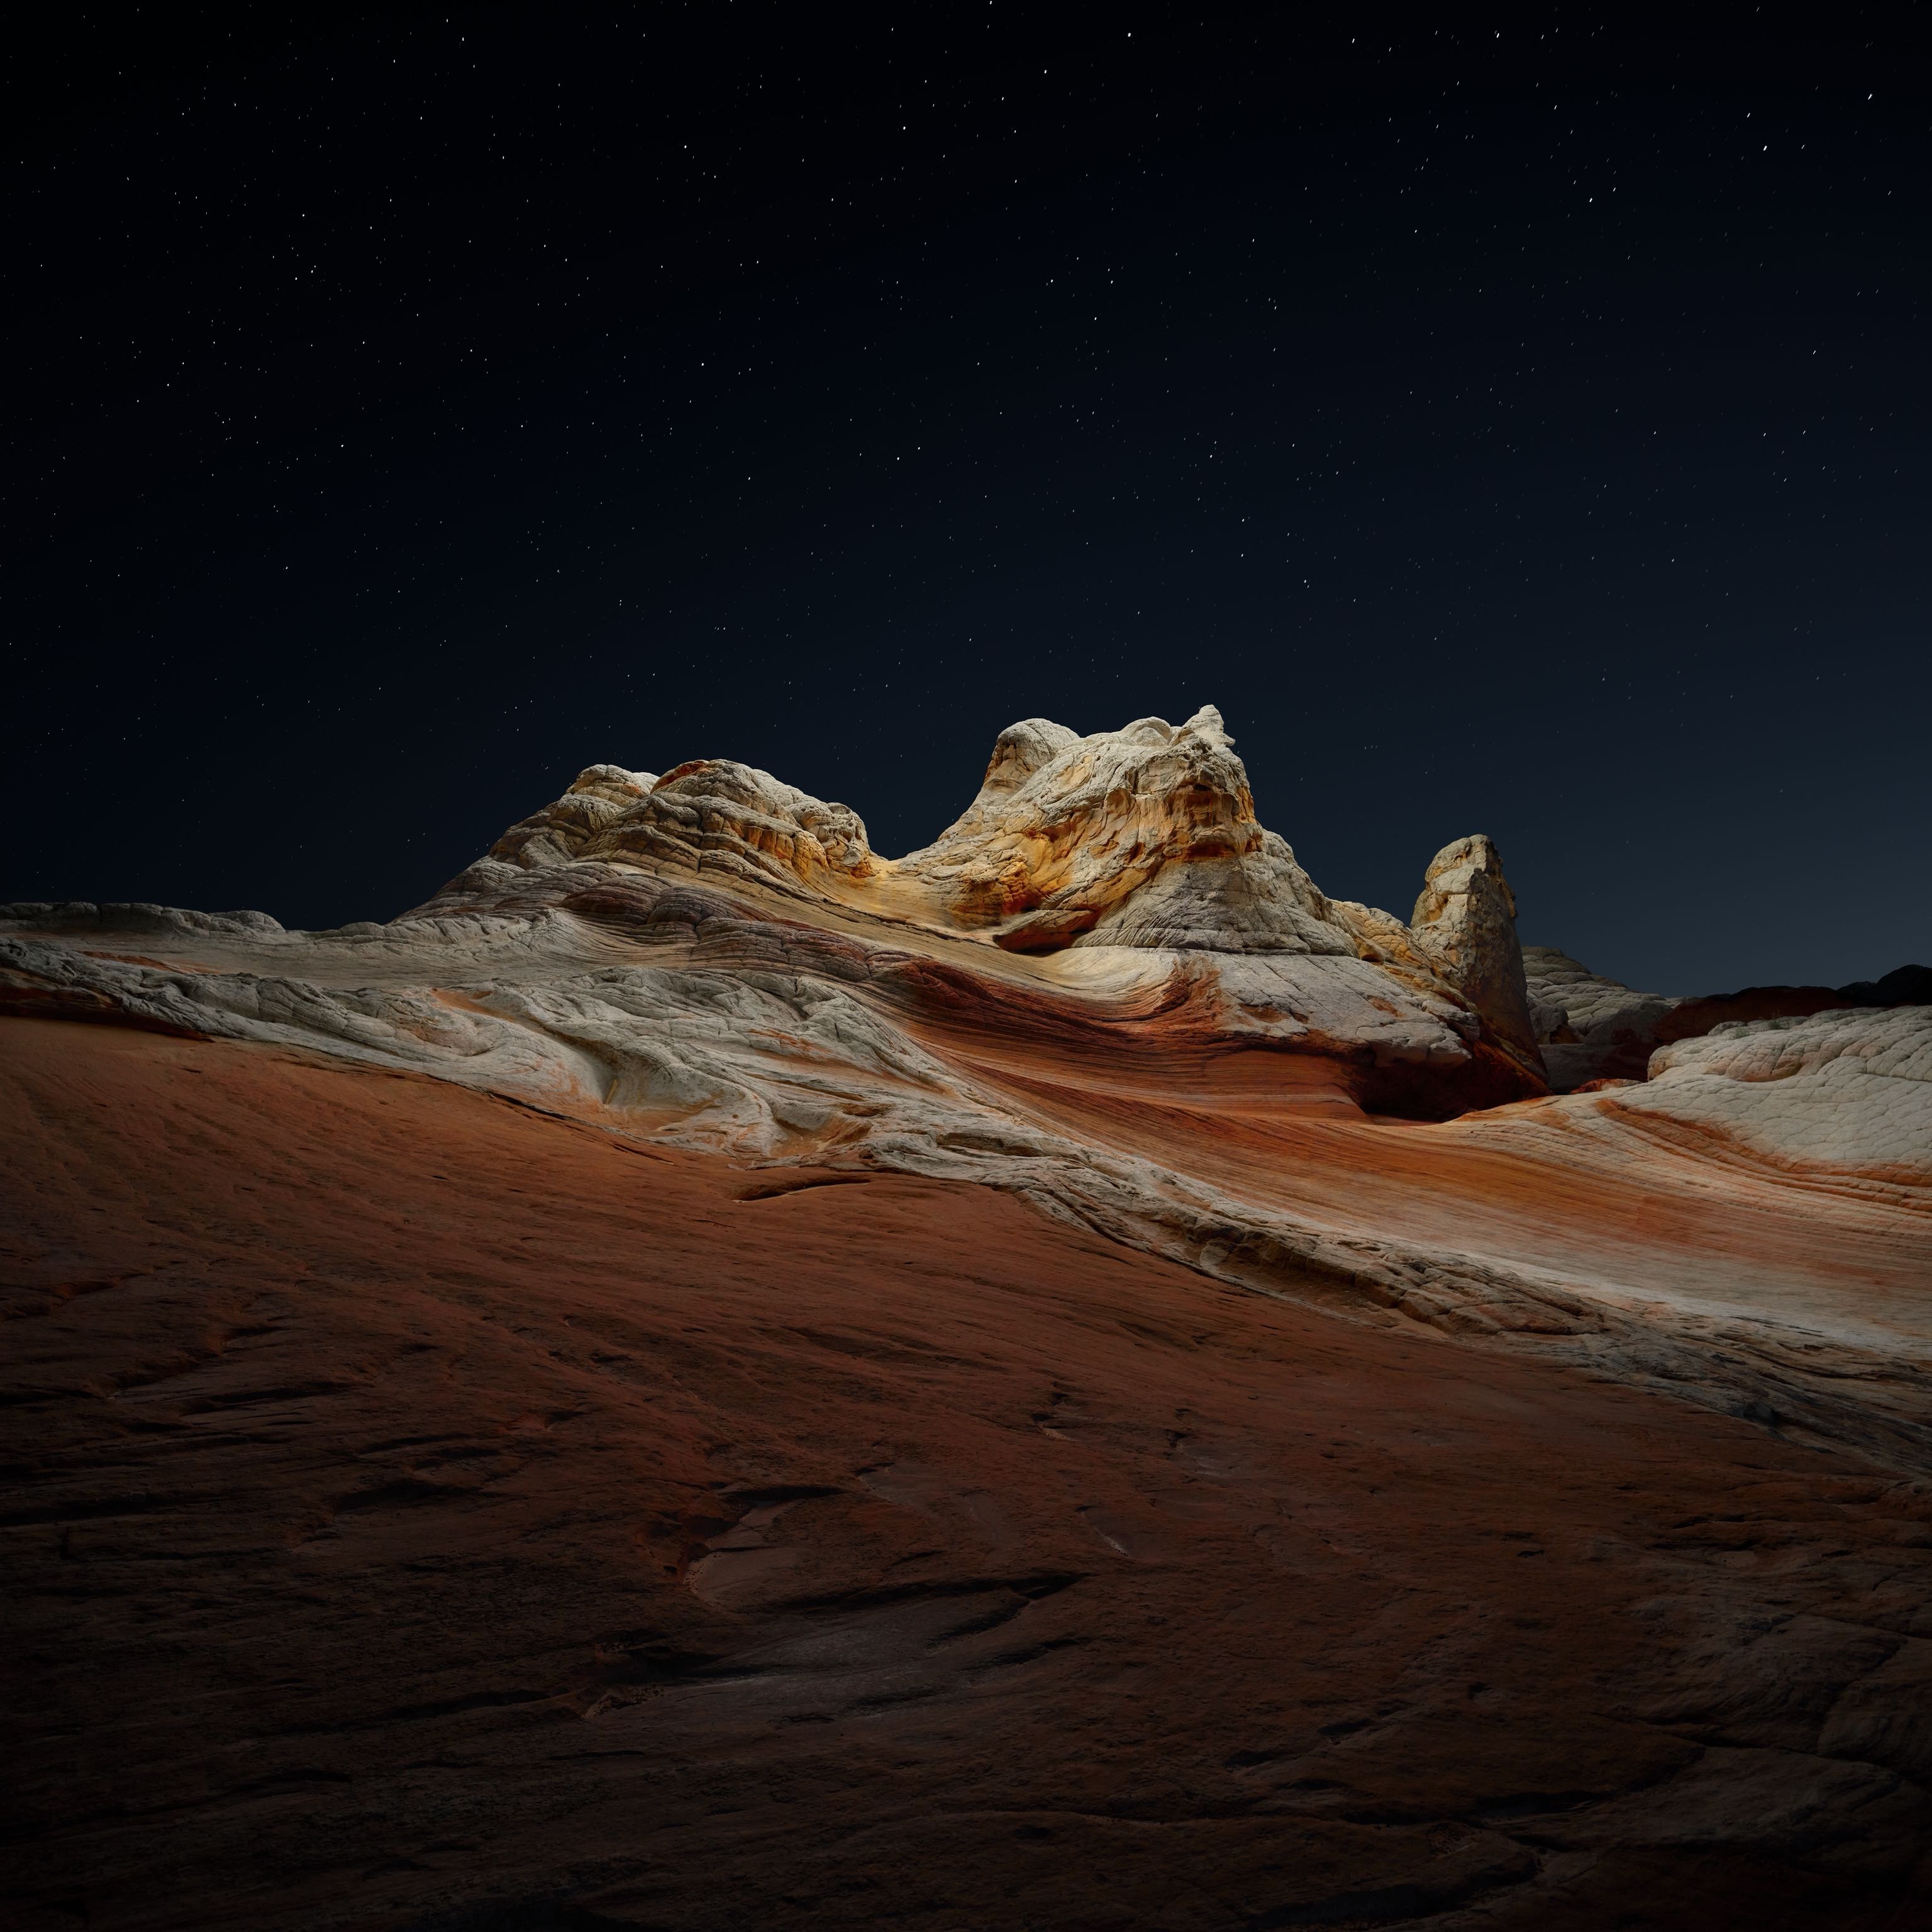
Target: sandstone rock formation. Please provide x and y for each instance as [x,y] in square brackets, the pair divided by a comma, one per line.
[1465,922]
[1848,1090]
[1145,838]
[559,833]
[708,1375]
[430,1514]
[711,816]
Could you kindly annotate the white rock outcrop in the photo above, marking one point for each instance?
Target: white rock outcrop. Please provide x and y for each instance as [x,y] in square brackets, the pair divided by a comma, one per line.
[717,816]
[711,817]
[1846,1092]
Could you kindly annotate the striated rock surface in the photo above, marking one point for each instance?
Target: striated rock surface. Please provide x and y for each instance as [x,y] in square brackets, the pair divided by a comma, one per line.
[714,816]
[711,817]
[1146,836]
[426,1512]
[708,1376]
[1847,1091]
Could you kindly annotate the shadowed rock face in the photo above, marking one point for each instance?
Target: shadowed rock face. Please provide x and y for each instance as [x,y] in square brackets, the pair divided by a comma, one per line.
[708,1377]
[1589,1027]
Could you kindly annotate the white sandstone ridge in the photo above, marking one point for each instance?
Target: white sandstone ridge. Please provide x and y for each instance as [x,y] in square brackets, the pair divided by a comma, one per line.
[1145,838]
[1848,1090]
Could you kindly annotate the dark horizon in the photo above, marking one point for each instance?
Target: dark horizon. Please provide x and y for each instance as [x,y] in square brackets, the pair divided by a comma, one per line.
[1524,434]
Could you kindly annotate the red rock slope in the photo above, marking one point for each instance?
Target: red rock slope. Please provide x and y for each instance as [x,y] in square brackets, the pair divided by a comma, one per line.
[706,1377]
[425,1510]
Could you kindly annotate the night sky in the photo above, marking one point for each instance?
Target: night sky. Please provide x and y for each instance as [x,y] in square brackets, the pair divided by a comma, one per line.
[1522,431]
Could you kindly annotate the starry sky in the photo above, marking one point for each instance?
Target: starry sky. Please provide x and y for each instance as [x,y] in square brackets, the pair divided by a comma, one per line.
[1520,427]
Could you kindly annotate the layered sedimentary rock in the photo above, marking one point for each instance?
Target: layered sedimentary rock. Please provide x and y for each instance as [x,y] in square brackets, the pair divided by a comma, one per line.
[1144,837]
[1847,1090]
[710,815]
[1143,840]
[707,1374]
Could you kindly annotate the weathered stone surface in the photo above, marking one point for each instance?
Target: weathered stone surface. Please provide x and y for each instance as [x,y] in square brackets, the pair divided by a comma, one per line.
[599,795]
[556,835]
[1594,1028]
[1846,1091]
[1145,836]
[1465,925]
[1382,938]
[711,816]
[714,815]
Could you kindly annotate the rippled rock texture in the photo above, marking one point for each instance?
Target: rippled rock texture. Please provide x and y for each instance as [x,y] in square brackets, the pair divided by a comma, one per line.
[708,1377]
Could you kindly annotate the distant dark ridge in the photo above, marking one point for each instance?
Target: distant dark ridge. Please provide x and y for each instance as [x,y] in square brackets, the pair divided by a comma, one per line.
[1905,986]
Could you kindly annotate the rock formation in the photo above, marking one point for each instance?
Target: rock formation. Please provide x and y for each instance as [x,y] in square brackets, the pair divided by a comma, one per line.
[1464,922]
[711,815]
[1143,839]
[1591,1028]
[707,1376]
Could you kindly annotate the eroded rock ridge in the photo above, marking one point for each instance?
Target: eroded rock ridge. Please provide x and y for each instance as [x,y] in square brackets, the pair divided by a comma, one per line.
[1145,838]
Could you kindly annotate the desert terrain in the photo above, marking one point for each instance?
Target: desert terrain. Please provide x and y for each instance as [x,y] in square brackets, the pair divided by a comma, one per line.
[706,1377]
